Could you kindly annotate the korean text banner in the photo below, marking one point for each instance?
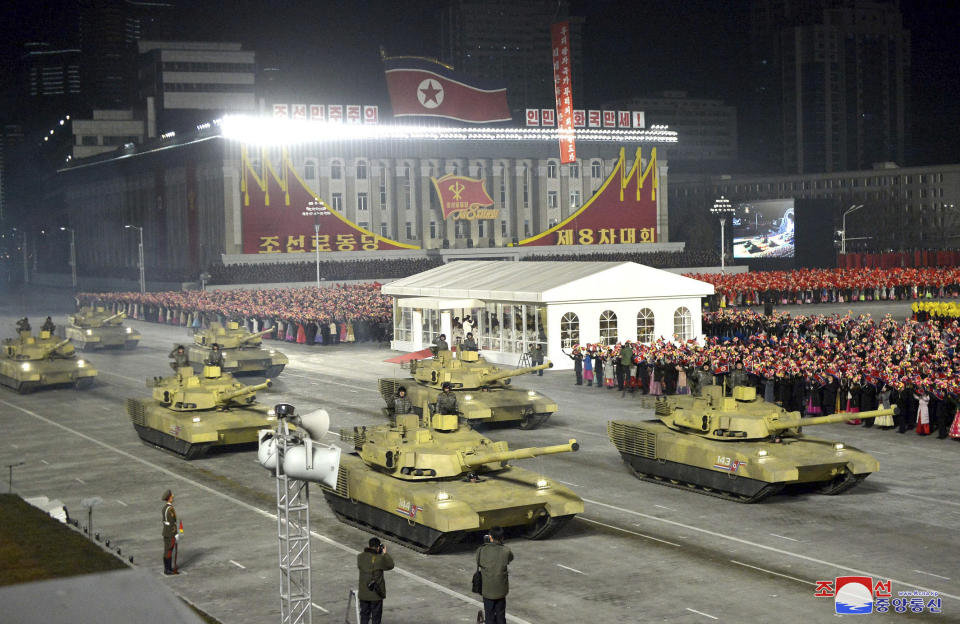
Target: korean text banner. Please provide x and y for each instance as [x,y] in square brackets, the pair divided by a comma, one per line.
[623,210]
[280,211]
[419,87]
[563,89]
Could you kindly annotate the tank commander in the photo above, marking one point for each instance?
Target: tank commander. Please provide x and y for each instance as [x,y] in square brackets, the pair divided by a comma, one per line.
[440,343]
[401,404]
[179,357]
[48,326]
[215,357]
[372,587]
[469,343]
[447,401]
[23,325]
[738,377]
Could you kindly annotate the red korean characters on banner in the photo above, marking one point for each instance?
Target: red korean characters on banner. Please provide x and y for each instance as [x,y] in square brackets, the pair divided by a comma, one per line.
[533,116]
[354,115]
[371,114]
[547,116]
[318,112]
[299,112]
[281,110]
[335,113]
[593,118]
[563,89]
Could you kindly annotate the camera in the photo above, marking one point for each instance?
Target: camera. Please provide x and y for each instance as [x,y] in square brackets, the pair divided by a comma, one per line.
[283,410]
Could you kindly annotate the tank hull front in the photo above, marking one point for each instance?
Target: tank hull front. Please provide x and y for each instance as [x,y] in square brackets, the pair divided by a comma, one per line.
[179,433]
[746,471]
[498,404]
[45,374]
[252,361]
[429,515]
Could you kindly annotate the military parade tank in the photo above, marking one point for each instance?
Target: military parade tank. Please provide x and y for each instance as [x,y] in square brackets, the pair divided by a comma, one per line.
[429,486]
[484,393]
[30,363]
[243,351]
[740,447]
[189,414]
[95,328]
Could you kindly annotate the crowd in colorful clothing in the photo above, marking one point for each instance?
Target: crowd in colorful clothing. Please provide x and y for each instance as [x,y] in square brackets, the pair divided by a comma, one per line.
[832,285]
[343,313]
[814,364]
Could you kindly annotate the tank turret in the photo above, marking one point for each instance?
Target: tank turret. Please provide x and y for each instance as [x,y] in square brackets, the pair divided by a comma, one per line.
[98,329]
[483,390]
[243,351]
[189,413]
[428,482]
[738,447]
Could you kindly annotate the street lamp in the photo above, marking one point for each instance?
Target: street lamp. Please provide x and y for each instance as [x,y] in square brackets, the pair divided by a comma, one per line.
[723,209]
[73,253]
[316,209]
[843,235]
[139,228]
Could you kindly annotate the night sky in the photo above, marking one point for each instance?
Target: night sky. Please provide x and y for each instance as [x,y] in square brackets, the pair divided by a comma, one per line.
[330,49]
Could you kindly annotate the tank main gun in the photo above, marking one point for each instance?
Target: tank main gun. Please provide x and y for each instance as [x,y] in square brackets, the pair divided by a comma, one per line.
[225,397]
[113,317]
[256,335]
[50,349]
[504,374]
[473,460]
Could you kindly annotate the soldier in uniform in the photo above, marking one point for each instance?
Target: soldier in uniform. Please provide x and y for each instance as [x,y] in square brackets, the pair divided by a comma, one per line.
[440,343]
[48,326]
[169,533]
[447,401]
[372,588]
[469,343]
[23,325]
[737,378]
[215,357]
[401,404]
[492,560]
[180,358]
[536,356]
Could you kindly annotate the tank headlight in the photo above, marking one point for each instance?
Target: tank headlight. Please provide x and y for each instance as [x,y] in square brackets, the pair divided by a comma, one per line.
[468,397]
[762,453]
[443,497]
[273,351]
[89,332]
[196,419]
[838,446]
[25,366]
[129,330]
[81,363]
[542,484]
[531,393]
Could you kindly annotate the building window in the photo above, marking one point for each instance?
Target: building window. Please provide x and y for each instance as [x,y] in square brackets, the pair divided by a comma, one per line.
[383,188]
[574,199]
[574,169]
[551,199]
[361,201]
[361,170]
[309,170]
[569,330]
[363,225]
[503,192]
[480,229]
[551,170]
[645,325]
[682,324]
[596,170]
[552,223]
[526,228]
[526,188]
[337,202]
[409,230]
[459,229]
[383,230]
[455,168]
[608,327]
[503,228]
[336,171]
[433,229]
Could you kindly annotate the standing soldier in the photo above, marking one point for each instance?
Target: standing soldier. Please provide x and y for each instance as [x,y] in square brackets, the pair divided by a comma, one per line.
[626,360]
[492,560]
[447,401]
[577,358]
[537,358]
[169,534]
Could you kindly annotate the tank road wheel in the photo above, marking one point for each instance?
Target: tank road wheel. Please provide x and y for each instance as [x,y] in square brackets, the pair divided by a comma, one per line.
[545,525]
[83,383]
[531,420]
[634,471]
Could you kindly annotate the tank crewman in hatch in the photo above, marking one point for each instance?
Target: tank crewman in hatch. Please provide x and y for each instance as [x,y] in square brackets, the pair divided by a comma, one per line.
[48,326]
[23,325]
[215,357]
[372,587]
[401,404]
[447,401]
[180,358]
[440,344]
[469,343]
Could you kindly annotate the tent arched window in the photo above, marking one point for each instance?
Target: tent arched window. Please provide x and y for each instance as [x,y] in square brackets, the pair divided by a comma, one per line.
[569,330]
[682,324]
[645,323]
[608,327]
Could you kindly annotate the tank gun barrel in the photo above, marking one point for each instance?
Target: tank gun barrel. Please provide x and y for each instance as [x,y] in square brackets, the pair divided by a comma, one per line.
[246,390]
[842,417]
[485,379]
[471,461]
[49,349]
[113,316]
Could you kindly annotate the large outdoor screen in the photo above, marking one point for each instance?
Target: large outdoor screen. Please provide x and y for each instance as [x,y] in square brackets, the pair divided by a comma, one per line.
[764,229]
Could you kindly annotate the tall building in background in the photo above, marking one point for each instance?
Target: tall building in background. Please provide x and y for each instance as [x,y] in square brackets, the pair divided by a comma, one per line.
[509,41]
[830,83]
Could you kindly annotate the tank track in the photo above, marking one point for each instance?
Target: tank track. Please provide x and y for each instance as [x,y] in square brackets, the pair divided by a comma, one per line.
[273,370]
[842,484]
[534,420]
[764,492]
[176,446]
[541,531]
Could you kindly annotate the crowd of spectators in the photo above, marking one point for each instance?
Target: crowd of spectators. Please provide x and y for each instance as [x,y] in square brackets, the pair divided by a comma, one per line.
[342,313]
[656,259]
[330,270]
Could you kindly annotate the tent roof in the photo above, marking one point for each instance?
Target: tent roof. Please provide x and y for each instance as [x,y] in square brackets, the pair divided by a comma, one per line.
[547,282]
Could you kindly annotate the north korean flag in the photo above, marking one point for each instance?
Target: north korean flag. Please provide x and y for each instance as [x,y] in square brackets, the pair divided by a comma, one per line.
[419,87]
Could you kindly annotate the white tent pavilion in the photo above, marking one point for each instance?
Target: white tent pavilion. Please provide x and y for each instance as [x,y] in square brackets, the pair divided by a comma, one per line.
[516,305]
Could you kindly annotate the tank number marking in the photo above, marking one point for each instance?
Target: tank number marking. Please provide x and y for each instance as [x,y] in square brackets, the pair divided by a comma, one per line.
[408,509]
[728,464]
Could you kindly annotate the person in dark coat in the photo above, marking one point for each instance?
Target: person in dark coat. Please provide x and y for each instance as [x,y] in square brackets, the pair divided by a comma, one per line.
[371,586]
[492,560]
[868,401]
[170,534]
[598,367]
[828,401]
[577,358]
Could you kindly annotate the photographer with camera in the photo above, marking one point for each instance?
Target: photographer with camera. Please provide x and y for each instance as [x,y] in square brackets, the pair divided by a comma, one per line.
[492,561]
[372,588]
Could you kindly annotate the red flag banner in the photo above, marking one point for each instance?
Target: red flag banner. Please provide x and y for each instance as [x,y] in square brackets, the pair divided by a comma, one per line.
[464,198]
[280,212]
[423,88]
[623,210]
[563,89]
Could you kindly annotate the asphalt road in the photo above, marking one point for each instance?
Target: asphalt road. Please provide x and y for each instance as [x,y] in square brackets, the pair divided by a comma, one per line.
[640,552]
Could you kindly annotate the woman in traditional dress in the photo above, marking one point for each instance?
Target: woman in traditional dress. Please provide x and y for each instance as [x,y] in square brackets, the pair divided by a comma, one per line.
[682,381]
[588,366]
[883,397]
[923,413]
[853,403]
